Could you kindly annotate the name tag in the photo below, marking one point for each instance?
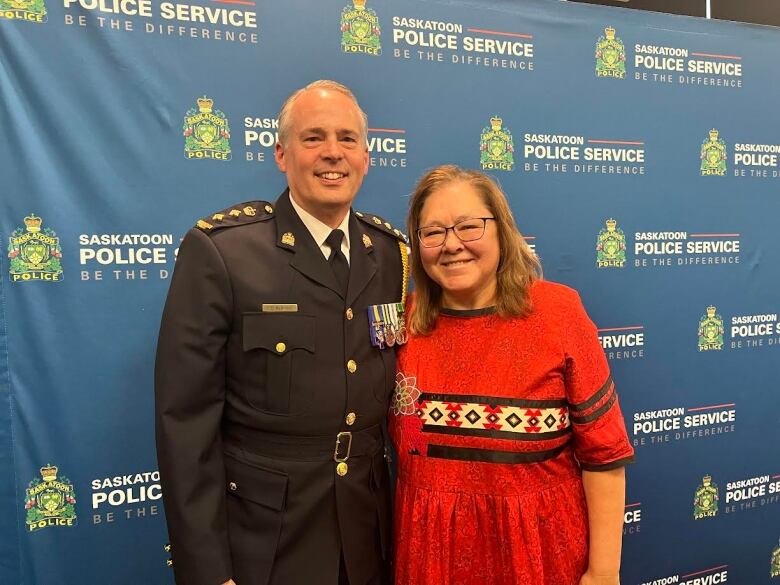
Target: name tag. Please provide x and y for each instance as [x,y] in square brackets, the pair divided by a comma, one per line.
[280,308]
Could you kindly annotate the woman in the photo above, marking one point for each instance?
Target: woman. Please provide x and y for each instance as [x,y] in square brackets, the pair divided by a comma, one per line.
[510,440]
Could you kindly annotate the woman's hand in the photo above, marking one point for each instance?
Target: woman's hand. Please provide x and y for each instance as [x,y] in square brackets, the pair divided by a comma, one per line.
[590,578]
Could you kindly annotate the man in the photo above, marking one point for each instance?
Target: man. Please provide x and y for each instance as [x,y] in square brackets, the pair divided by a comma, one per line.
[270,395]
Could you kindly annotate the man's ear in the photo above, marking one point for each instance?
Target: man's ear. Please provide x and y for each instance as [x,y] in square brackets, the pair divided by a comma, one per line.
[281,162]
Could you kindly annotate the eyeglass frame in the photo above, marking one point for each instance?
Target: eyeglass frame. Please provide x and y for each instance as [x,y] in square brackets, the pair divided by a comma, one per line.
[452,227]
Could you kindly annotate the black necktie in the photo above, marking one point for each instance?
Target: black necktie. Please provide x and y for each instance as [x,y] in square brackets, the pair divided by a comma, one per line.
[337,260]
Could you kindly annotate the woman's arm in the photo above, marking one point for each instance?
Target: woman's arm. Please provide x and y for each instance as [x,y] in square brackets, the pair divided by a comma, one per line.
[605,495]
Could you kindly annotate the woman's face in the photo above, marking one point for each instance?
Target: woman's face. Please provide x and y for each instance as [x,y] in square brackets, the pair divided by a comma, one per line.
[465,271]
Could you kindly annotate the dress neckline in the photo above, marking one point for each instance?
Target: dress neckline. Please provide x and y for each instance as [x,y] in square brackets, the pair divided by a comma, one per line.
[467,312]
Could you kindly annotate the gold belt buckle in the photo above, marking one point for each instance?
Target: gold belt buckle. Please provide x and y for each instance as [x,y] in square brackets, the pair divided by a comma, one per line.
[339,438]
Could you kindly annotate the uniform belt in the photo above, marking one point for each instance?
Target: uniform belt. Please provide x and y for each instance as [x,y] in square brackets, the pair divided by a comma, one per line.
[336,447]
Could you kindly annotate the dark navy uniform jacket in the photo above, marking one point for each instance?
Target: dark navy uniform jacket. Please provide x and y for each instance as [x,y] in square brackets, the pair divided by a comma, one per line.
[261,363]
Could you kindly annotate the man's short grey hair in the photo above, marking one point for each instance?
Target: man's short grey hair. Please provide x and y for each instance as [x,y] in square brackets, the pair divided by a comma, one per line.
[285,117]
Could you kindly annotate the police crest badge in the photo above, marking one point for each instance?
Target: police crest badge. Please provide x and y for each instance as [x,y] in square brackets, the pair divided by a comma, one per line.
[28,10]
[50,501]
[610,55]
[360,29]
[496,147]
[34,253]
[713,155]
[611,246]
[710,330]
[774,570]
[705,501]
[206,132]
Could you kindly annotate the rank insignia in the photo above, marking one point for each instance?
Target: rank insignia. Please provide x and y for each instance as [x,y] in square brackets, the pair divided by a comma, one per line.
[288,239]
[367,241]
[387,325]
[250,211]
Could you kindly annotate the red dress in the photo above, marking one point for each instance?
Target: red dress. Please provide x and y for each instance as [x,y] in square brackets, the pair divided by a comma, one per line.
[493,421]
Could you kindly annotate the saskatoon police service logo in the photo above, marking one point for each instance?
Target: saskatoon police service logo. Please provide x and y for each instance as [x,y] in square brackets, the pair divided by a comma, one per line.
[50,502]
[710,330]
[713,155]
[360,29]
[611,246]
[496,147]
[206,132]
[610,55]
[705,502]
[34,254]
[30,10]
[774,566]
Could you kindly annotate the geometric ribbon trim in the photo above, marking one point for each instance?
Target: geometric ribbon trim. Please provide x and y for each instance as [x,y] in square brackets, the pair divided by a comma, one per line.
[508,420]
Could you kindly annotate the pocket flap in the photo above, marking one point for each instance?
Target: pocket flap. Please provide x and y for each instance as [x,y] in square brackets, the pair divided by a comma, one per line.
[260,485]
[268,330]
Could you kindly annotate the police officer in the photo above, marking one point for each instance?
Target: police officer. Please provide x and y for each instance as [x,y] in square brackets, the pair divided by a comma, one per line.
[273,375]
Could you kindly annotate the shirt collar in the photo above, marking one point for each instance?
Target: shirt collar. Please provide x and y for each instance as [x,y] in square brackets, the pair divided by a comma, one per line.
[320,231]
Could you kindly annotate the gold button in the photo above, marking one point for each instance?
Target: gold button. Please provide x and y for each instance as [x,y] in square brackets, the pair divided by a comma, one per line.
[351,418]
[269,209]
[280,347]
[342,469]
[232,485]
[349,314]
[351,366]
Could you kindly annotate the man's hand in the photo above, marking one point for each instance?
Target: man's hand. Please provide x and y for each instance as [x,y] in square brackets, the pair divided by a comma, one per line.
[593,579]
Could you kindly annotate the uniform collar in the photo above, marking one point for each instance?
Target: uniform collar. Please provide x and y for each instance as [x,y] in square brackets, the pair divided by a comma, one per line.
[307,258]
[320,231]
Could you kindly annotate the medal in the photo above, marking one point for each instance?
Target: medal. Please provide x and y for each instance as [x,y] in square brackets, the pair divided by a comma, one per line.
[376,325]
[400,324]
[387,326]
[392,323]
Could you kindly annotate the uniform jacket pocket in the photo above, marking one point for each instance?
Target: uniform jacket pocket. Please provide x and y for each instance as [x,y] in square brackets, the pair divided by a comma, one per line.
[256,500]
[286,340]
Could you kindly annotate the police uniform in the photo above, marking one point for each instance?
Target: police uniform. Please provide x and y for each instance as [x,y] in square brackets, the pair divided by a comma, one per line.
[270,401]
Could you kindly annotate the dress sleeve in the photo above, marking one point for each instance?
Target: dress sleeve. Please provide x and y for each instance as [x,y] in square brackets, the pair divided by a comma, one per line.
[600,439]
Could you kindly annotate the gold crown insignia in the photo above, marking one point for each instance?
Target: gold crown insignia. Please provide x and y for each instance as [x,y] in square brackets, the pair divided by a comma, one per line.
[713,134]
[204,104]
[711,311]
[610,32]
[611,224]
[49,472]
[33,223]
[495,123]
[359,4]
[706,480]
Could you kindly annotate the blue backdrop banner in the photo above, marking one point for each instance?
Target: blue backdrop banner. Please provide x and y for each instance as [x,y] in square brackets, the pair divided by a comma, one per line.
[639,152]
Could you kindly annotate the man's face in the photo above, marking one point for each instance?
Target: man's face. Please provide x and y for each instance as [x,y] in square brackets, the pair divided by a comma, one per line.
[325,158]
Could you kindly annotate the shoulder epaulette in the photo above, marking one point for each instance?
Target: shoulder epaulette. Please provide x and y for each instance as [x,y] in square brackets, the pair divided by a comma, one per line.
[241,214]
[378,223]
